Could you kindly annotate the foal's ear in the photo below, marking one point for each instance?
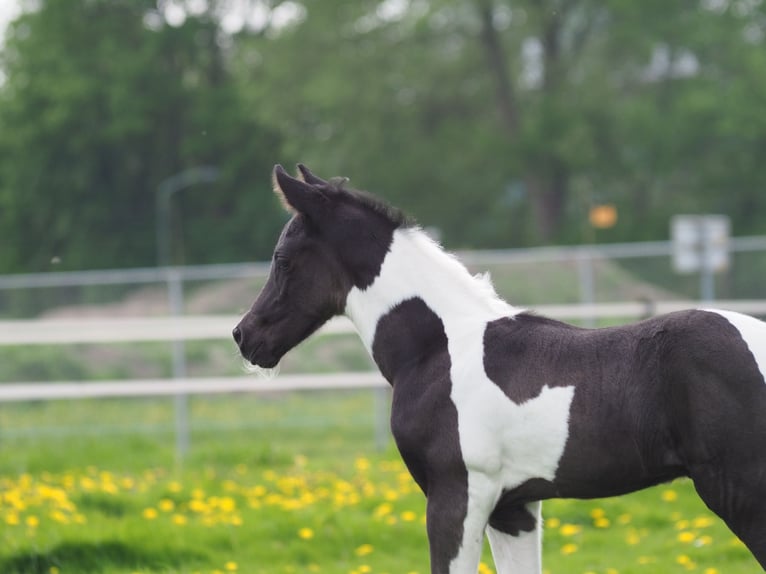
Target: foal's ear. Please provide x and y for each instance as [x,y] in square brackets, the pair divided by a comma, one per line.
[297,195]
[305,174]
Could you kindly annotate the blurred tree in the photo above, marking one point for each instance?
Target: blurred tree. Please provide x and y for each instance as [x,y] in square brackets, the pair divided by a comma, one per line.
[103,100]
[687,126]
[502,121]
[499,121]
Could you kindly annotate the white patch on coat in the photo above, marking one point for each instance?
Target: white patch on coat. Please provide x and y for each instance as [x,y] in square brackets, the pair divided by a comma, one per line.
[752,331]
[416,266]
[503,443]
[518,554]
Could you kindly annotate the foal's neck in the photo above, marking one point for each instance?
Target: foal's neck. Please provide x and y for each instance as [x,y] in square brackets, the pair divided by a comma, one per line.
[416,267]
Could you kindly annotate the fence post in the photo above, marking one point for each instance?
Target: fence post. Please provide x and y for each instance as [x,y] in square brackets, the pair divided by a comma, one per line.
[381,405]
[176,301]
[585,273]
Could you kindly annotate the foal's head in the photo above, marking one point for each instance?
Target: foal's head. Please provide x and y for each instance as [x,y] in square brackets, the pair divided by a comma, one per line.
[336,240]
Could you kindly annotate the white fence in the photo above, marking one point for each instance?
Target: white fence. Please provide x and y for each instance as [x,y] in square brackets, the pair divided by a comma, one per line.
[142,329]
[178,328]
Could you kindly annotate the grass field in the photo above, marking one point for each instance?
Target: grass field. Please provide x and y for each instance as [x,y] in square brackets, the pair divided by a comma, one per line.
[281,484]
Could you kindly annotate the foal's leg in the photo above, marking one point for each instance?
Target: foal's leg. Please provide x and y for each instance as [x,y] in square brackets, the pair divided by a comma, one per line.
[515,548]
[740,499]
[456,521]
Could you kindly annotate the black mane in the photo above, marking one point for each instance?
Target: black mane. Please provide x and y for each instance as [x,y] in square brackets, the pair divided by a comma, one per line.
[364,199]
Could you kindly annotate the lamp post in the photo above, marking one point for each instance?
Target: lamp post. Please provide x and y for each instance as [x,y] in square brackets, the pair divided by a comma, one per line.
[165,190]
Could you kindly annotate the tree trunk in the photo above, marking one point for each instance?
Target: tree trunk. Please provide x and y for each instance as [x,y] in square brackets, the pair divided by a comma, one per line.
[548,193]
[499,68]
[548,187]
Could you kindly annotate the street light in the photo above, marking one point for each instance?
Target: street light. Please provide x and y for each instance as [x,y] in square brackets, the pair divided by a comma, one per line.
[177,182]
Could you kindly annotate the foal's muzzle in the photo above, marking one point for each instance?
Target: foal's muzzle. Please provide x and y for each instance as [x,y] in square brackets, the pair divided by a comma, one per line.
[253,347]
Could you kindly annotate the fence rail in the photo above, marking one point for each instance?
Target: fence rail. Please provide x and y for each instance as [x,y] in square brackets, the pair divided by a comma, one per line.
[15,392]
[177,327]
[189,328]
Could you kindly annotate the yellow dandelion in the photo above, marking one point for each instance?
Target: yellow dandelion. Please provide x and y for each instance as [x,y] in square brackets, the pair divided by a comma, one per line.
[568,549]
[306,533]
[711,571]
[59,516]
[109,488]
[198,493]
[364,569]
[383,510]
[484,569]
[553,523]
[683,559]
[32,521]
[179,519]
[391,495]
[149,513]
[364,550]
[669,495]
[686,537]
[408,516]
[704,540]
[624,519]
[231,566]
[703,522]
[601,522]
[166,505]
[570,529]
[633,537]
[198,506]
[597,513]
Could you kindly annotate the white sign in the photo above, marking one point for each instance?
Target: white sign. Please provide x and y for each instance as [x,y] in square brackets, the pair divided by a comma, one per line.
[700,243]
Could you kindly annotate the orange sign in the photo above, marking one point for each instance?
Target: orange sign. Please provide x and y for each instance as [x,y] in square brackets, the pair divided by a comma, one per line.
[603,216]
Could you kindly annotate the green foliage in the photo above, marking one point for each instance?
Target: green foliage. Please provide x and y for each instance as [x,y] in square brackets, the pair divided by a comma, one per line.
[97,110]
[499,121]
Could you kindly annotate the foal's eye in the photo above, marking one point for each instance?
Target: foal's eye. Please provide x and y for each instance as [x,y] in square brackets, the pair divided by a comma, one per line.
[282,263]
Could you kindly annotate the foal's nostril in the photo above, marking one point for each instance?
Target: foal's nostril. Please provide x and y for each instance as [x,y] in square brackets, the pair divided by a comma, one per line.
[237,334]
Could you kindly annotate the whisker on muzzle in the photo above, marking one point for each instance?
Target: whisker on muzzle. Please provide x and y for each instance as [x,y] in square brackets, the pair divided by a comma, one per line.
[261,372]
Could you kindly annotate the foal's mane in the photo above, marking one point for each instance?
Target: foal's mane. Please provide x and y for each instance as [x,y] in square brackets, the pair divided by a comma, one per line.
[337,185]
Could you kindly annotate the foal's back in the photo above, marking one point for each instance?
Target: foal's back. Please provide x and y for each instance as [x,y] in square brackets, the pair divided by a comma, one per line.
[654,400]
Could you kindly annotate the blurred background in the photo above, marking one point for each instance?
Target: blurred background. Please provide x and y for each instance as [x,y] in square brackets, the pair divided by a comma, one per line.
[499,122]
[552,142]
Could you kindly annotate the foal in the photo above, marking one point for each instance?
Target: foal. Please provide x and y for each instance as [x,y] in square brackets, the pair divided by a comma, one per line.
[495,409]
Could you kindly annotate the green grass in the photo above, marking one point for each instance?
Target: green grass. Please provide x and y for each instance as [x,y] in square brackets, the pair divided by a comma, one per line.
[287,483]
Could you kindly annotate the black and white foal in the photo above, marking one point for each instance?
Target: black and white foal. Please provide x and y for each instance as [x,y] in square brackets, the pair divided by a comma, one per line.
[495,409]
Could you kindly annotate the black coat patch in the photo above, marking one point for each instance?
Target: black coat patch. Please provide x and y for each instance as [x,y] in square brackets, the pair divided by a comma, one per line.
[410,348]
[645,395]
